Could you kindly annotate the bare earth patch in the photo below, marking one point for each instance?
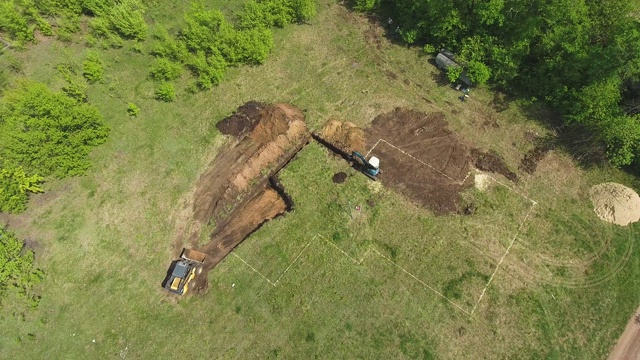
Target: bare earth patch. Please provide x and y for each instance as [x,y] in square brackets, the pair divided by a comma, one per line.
[235,194]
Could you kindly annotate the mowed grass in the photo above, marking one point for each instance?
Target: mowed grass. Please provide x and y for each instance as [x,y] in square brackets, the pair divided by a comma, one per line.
[365,284]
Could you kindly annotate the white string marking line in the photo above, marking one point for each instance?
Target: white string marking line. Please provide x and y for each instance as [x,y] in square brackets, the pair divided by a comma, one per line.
[503,257]
[420,161]
[359,262]
[285,270]
[424,284]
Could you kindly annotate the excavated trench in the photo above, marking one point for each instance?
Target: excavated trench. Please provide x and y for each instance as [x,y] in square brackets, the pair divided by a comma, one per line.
[241,190]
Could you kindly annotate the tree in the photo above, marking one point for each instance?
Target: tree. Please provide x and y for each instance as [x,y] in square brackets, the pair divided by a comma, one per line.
[48,133]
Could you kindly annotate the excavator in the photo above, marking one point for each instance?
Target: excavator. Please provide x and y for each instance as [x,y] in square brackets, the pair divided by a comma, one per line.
[184,271]
[370,168]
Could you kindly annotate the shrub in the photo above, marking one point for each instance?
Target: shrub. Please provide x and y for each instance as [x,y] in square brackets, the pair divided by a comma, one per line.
[127,18]
[76,86]
[165,92]
[133,109]
[17,272]
[366,5]
[453,73]
[48,133]
[209,70]
[15,187]
[249,46]
[124,18]
[92,67]
[478,72]
[165,69]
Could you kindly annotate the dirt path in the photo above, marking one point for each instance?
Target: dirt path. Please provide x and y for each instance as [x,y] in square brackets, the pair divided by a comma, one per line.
[628,346]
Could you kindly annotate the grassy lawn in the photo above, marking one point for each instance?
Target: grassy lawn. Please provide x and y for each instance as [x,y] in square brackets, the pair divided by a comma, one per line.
[324,281]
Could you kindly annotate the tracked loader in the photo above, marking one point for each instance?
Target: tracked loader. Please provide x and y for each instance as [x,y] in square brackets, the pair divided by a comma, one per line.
[184,271]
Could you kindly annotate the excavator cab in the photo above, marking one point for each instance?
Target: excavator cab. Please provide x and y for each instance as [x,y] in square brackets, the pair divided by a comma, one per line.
[370,168]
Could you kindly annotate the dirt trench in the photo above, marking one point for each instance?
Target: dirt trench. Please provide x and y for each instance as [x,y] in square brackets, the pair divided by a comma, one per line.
[240,190]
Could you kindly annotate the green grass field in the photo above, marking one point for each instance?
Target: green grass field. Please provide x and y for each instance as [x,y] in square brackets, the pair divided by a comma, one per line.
[324,281]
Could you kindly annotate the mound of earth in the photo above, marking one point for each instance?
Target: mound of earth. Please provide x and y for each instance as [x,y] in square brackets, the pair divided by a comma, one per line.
[615,203]
[278,132]
[235,193]
[345,136]
[241,121]
[420,158]
[491,161]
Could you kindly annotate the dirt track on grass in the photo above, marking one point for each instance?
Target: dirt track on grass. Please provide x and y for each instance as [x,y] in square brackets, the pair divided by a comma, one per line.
[238,193]
[628,346]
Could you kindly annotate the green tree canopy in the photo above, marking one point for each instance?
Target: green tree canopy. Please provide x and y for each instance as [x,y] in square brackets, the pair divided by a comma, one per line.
[578,55]
[46,132]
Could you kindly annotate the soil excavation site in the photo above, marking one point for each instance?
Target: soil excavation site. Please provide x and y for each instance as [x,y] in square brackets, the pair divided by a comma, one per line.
[420,158]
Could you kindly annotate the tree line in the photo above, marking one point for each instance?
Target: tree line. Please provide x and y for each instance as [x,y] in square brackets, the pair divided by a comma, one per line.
[580,56]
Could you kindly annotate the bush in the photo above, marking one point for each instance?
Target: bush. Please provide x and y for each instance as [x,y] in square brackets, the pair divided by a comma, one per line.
[92,67]
[266,14]
[209,70]
[453,73]
[478,73]
[76,86]
[250,46]
[48,133]
[15,187]
[165,92]
[124,18]
[164,69]
[127,18]
[133,110]
[17,273]
[366,5]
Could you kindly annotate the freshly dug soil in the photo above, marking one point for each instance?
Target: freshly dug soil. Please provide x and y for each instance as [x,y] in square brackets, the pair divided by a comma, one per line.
[530,161]
[235,193]
[264,206]
[345,136]
[241,121]
[278,133]
[491,161]
[339,178]
[419,138]
[615,203]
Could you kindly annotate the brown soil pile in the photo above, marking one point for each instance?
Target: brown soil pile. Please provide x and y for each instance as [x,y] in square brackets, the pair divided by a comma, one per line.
[241,121]
[491,161]
[345,136]
[264,206]
[234,193]
[420,158]
[615,203]
[278,133]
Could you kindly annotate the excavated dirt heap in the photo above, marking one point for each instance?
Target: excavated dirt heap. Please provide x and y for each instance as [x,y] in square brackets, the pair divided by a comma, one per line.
[345,136]
[235,194]
[615,203]
[272,135]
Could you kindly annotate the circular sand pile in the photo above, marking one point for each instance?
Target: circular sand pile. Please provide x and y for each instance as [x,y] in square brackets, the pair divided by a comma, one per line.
[615,203]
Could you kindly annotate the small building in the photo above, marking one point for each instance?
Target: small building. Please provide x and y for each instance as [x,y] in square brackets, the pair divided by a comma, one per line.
[445,60]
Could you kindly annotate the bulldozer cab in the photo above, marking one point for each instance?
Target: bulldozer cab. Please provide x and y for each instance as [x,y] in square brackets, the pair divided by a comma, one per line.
[184,271]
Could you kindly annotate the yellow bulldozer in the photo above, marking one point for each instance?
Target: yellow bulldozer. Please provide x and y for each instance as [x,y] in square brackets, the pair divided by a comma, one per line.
[184,270]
